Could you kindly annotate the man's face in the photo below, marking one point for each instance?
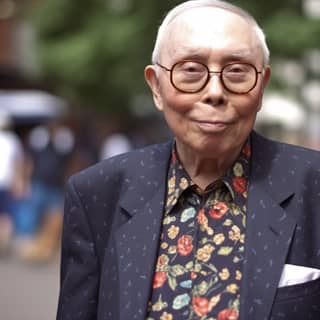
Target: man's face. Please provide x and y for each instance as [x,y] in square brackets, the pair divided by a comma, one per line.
[212,122]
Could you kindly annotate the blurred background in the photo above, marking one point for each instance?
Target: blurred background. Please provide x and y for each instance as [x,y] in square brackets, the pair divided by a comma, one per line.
[72,93]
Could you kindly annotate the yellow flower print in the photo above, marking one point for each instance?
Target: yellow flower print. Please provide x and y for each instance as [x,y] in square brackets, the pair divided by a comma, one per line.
[173,232]
[214,301]
[166,316]
[202,219]
[224,274]
[204,241]
[227,223]
[218,239]
[209,231]
[204,273]
[232,288]
[168,220]
[162,261]
[171,201]
[235,210]
[164,245]
[172,250]
[238,169]
[171,184]
[203,222]
[189,265]
[204,254]
[183,183]
[238,275]
[159,305]
[234,233]
[236,260]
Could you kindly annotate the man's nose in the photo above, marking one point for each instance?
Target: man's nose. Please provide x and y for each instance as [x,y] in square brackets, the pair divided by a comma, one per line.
[215,93]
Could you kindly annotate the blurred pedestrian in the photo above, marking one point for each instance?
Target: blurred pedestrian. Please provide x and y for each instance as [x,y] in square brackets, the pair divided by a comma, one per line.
[11,178]
[41,213]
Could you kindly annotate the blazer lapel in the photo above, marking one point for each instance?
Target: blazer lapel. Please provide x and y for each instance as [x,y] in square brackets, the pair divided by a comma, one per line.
[137,240]
[269,231]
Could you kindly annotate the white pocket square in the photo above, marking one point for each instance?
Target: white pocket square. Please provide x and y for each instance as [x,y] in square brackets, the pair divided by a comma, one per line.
[292,274]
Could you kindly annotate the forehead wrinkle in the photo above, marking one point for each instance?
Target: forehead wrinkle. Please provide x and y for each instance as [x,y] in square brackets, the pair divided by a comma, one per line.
[207,54]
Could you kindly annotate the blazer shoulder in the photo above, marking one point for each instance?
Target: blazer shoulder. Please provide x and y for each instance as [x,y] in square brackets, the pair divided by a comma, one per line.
[126,164]
[285,154]
[283,170]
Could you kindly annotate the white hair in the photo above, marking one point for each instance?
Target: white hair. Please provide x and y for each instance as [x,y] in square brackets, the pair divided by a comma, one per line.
[191,4]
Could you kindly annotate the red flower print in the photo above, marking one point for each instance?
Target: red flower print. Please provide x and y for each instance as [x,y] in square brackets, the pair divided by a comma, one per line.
[184,245]
[247,151]
[201,217]
[218,210]
[200,306]
[193,275]
[239,184]
[228,314]
[159,279]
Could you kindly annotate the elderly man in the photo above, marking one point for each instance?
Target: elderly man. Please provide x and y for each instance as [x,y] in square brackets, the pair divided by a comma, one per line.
[219,223]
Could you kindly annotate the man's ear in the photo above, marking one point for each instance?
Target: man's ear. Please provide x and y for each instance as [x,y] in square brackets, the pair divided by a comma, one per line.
[265,80]
[152,79]
[266,76]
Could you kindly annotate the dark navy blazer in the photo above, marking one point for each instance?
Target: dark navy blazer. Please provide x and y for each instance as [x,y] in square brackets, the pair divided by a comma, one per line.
[112,222]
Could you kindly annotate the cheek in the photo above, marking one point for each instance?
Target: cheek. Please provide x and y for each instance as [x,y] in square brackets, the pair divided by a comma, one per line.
[175,111]
[176,103]
[247,106]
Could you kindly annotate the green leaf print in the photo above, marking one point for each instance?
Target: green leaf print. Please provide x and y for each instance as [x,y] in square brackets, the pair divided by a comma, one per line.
[172,282]
[225,251]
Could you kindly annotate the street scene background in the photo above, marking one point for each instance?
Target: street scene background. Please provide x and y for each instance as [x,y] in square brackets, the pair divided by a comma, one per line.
[72,93]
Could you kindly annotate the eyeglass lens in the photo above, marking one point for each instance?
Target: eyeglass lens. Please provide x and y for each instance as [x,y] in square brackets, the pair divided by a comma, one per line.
[191,76]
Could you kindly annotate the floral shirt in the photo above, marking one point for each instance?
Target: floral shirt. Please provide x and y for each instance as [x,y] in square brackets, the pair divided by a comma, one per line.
[199,266]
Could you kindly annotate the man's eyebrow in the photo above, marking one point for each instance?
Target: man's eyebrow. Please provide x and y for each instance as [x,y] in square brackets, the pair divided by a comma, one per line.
[191,54]
[238,55]
[195,57]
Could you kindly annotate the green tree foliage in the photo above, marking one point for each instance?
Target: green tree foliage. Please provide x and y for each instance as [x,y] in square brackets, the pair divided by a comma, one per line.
[95,53]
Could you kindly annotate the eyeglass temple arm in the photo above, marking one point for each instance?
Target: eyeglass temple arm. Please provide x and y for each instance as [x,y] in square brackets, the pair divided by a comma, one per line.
[161,66]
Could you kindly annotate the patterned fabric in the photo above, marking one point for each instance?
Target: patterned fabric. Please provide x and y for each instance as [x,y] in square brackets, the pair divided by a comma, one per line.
[199,266]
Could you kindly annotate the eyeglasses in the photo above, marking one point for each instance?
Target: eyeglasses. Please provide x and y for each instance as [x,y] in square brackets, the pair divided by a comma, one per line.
[191,76]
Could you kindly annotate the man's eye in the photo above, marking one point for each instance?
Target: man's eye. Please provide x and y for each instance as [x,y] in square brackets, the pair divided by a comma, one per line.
[192,69]
[237,70]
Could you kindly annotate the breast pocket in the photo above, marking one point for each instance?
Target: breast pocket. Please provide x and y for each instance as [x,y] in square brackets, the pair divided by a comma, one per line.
[296,302]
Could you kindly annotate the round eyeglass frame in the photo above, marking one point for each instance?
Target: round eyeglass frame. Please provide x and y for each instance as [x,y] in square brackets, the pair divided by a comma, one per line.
[209,73]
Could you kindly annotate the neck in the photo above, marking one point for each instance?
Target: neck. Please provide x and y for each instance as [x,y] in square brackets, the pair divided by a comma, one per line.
[204,169]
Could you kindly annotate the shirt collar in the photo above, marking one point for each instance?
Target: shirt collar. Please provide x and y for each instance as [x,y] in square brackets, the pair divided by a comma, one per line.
[236,178]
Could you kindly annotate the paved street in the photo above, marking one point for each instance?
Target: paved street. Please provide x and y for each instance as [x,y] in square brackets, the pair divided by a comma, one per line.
[28,292]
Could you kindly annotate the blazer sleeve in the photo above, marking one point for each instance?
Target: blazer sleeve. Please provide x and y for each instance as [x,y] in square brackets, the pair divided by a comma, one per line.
[79,272]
